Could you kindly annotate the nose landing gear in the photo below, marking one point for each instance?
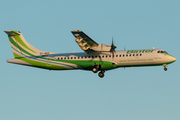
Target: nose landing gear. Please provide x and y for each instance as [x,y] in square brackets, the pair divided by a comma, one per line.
[165,67]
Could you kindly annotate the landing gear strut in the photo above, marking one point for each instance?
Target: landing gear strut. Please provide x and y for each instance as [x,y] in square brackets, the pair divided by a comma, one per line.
[165,67]
[97,68]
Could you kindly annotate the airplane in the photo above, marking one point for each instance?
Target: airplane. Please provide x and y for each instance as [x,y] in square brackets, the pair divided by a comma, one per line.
[96,57]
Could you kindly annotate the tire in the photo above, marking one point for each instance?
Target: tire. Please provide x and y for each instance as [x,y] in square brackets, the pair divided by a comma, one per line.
[101,74]
[95,69]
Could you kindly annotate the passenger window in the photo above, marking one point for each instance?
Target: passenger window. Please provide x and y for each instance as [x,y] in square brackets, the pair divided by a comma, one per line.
[92,56]
[119,55]
[58,58]
[71,57]
[89,56]
[106,56]
[95,56]
[78,57]
[126,55]
[74,57]
[162,51]
[140,54]
[103,56]
[136,54]
[82,57]
[158,51]
[65,58]
[129,55]
[123,55]
[133,54]
[116,55]
[68,58]
[113,55]
[109,55]
[61,58]
[99,56]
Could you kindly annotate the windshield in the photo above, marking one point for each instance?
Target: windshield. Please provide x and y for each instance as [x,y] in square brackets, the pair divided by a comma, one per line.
[165,52]
[162,52]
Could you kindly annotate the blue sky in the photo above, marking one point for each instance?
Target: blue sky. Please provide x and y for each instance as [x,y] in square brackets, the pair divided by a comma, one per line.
[143,93]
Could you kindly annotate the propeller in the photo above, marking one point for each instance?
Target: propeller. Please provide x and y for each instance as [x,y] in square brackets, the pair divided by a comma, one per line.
[112,50]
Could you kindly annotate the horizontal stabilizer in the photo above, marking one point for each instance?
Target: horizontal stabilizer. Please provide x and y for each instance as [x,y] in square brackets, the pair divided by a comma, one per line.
[12,33]
[18,61]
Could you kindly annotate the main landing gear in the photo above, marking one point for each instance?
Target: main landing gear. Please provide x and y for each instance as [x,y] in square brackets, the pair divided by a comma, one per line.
[101,74]
[97,68]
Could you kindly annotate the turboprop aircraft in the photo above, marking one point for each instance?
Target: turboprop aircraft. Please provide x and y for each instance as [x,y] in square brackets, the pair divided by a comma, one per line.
[96,57]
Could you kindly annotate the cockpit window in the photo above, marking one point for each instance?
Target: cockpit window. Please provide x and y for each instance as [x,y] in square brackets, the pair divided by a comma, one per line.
[165,52]
[162,52]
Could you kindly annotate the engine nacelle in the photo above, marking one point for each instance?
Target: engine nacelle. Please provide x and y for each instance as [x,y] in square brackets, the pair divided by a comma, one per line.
[102,48]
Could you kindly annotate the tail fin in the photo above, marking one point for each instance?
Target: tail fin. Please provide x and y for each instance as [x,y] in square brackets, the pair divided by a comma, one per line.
[20,47]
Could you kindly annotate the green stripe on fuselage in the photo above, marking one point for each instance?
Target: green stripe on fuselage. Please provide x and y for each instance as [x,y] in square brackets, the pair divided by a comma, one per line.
[167,54]
[89,64]
[140,65]
[40,64]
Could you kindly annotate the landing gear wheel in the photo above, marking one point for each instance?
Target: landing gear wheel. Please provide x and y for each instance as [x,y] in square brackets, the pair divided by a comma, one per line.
[165,68]
[101,74]
[95,69]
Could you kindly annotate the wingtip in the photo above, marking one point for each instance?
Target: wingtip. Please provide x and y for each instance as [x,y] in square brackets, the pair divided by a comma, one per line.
[76,31]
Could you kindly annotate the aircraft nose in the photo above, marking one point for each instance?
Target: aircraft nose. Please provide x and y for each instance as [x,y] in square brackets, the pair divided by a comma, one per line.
[173,59]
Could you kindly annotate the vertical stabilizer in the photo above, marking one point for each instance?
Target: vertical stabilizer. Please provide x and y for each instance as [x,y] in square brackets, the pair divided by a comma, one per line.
[20,47]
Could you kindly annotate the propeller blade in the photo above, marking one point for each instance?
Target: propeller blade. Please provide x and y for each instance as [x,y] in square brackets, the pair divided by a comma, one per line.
[112,50]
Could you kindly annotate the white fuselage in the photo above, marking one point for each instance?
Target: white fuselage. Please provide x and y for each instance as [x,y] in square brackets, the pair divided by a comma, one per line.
[121,58]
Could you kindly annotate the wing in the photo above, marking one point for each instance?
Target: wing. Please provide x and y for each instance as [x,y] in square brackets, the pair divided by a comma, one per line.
[84,41]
